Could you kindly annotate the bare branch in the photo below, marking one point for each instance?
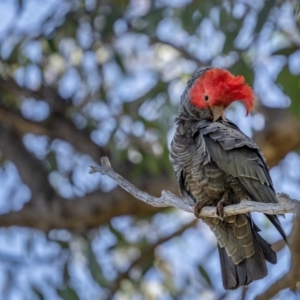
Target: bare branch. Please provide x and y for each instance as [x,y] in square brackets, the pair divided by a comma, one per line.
[30,168]
[285,205]
[58,126]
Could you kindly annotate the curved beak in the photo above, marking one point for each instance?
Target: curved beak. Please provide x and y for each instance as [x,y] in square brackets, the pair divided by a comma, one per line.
[217,112]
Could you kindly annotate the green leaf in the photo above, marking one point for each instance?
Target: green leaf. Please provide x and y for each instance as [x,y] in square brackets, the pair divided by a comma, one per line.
[190,16]
[37,292]
[119,61]
[286,51]
[117,233]
[241,68]
[68,294]
[94,267]
[230,27]
[263,15]
[205,275]
[152,19]
[63,244]
[291,87]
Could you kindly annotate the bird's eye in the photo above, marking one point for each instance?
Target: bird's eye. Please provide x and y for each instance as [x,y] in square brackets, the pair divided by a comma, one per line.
[206,98]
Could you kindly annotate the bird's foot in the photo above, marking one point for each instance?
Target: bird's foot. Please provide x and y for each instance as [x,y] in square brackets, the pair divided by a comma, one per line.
[220,208]
[197,209]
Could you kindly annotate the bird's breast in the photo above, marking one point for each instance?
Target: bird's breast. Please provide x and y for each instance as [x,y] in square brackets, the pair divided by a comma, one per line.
[202,178]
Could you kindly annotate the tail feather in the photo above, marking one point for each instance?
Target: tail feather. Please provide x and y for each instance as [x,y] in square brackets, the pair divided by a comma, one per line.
[248,269]
[266,249]
[274,220]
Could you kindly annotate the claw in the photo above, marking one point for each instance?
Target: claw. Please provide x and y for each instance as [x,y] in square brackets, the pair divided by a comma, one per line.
[197,209]
[220,208]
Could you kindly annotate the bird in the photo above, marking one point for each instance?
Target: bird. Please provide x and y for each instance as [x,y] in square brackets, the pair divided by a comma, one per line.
[216,164]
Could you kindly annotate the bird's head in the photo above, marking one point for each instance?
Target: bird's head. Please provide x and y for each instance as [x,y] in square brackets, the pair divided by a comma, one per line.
[212,90]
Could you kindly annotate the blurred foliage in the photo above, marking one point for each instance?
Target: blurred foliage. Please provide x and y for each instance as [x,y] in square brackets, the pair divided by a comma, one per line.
[115,70]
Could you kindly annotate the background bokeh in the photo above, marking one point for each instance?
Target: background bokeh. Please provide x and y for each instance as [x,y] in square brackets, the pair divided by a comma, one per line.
[83,79]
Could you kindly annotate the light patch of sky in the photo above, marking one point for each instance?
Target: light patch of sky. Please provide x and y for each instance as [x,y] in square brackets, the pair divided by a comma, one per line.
[207,43]
[79,120]
[294,63]
[102,245]
[67,46]
[123,259]
[175,90]
[97,110]
[90,4]
[62,184]
[151,110]
[29,76]
[286,175]
[7,16]
[245,36]
[169,226]
[82,280]
[30,20]
[121,139]
[268,92]
[65,155]
[239,10]
[166,29]
[154,290]
[138,8]
[190,246]
[69,83]
[172,3]
[214,15]
[112,75]
[78,165]
[33,51]
[36,144]
[166,53]
[138,128]
[80,176]
[85,35]
[102,134]
[35,110]
[237,114]
[135,48]
[107,184]
[286,19]
[291,164]
[42,274]
[120,27]
[12,189]
[89,61]
[94,81]
[258,121]
[173,70]
[83,92]
[19,76]
[135,85]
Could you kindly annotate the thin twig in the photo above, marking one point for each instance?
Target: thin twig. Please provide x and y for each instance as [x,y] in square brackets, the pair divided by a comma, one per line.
[167,199]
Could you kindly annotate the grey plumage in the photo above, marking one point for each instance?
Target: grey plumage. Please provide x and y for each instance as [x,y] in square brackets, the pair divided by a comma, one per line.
[213,160]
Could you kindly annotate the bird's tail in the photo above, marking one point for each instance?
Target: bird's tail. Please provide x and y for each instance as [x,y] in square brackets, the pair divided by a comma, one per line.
[243,252]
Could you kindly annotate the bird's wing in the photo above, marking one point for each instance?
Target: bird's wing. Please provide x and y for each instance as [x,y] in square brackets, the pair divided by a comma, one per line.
[237,155]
